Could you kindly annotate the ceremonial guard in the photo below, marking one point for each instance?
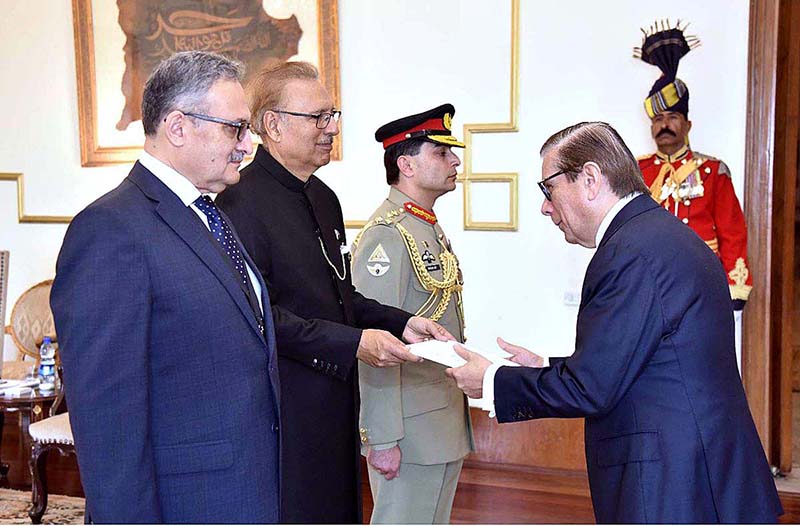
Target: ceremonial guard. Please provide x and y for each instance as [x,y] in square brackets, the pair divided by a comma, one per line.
[414,420]
[697,188]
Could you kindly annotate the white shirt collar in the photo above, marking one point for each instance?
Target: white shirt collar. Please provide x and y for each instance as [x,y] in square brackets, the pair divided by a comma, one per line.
[179,184]
[611,214]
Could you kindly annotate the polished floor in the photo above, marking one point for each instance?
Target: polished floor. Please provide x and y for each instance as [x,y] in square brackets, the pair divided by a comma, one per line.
[486,494]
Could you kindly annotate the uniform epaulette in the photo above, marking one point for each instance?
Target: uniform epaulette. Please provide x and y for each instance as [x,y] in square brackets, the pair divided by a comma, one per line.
[704,156]
[722,169]
[389,218]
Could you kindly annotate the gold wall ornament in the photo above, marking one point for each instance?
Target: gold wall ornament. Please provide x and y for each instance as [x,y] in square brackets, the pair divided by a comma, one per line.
[22,217]
[468,178]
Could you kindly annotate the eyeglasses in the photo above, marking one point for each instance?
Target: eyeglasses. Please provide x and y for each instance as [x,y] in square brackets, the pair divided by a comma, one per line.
[544,189]
[241,126]
[323,119]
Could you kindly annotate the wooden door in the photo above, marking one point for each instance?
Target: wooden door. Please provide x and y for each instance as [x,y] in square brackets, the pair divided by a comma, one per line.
[787,143]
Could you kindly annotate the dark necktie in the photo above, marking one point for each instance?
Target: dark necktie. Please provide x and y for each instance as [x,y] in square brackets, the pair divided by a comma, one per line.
[222,233]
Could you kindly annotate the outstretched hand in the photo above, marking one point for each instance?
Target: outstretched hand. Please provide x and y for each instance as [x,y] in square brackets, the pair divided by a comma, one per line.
[520,355]
[380,349]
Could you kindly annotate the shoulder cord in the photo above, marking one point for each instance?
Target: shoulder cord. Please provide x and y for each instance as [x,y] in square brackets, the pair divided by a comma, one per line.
[445,287]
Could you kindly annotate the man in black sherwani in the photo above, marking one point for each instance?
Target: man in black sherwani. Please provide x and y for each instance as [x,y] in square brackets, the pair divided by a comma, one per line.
[291,224]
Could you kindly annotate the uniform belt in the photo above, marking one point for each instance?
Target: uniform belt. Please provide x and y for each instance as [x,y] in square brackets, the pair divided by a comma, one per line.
[713,244]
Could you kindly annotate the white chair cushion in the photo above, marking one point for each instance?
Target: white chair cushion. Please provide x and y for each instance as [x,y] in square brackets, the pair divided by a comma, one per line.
[54,429]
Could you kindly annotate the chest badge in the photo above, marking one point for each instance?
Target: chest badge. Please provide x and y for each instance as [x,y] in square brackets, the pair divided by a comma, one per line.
[378,262]
[427,257]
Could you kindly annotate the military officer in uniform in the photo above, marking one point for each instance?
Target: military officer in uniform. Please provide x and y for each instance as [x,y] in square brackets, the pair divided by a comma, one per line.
[695,187]
[415,426]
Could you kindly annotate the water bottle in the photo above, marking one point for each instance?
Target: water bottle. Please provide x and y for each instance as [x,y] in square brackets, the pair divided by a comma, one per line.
[47,365]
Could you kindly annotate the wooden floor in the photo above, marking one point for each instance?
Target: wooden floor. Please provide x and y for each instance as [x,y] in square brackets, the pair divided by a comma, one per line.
[486,494]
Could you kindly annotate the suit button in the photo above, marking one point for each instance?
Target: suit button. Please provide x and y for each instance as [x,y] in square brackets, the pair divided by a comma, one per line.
[340,301]
[275,428]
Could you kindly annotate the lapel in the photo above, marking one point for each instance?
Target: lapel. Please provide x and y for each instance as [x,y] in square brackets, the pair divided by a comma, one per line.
[639,205]
[185,223]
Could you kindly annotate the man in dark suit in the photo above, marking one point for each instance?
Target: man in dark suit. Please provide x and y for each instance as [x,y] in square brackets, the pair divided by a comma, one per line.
[168,343]
[669,436]
[291,222]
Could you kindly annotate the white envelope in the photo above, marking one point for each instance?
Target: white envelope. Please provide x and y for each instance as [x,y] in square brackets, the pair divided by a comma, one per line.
[443,353]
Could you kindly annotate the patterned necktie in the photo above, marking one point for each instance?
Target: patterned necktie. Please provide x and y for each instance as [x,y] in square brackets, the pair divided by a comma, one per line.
[222,233]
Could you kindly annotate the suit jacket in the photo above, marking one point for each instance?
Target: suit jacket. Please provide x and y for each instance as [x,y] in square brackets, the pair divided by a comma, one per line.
[669,435]
[172,387]
[295,232]
[414,405]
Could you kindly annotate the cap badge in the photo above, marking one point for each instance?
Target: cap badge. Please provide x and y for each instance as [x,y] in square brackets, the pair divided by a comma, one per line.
[446,121]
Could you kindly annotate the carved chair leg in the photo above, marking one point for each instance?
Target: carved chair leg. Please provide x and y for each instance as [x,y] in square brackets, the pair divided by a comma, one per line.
[38,481]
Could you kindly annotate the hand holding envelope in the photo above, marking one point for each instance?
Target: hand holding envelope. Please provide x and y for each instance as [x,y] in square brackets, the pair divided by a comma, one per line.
[469,368]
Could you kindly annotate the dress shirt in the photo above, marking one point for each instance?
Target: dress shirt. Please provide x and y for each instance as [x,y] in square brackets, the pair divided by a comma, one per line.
[487,402]
[187,193]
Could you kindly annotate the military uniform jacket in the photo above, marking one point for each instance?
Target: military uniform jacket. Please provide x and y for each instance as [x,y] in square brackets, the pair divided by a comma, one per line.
[414,405]
[285,223]
[697,189]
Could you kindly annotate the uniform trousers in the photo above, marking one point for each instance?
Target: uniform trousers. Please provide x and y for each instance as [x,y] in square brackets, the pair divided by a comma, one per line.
[419,495]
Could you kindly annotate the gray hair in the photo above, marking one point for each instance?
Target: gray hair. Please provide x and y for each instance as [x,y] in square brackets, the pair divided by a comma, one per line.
[268,87]
[597,142]
[182,82]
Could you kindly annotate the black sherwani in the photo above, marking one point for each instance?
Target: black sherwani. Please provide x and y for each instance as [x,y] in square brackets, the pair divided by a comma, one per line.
[318,320]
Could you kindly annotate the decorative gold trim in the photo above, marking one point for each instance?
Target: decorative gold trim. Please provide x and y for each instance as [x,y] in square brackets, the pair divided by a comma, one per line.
[513,198]
[92,154]
[739,274]
[468,177]
[21,216]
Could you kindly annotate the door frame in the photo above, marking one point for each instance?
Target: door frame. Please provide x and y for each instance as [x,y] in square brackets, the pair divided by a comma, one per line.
[770,161]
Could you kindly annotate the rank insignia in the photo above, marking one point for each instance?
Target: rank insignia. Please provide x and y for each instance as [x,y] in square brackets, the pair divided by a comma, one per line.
[378,263]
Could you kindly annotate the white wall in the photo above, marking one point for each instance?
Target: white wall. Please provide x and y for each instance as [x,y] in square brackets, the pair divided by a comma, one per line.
[399,57]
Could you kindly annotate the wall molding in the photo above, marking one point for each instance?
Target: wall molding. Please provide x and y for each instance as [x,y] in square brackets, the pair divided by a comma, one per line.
[22,217]
[469,177]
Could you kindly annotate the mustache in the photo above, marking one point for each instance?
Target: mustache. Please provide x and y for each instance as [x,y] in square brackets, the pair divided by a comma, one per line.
[236,157]
[665,131]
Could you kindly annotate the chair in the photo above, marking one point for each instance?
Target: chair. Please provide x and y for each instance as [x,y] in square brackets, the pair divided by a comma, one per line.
[31,320]
[52,433]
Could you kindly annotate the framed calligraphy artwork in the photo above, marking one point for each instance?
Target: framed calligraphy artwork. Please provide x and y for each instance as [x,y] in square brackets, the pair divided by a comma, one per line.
[118,43]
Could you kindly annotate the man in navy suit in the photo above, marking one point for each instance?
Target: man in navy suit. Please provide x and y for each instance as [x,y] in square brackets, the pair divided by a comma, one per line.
[669,436]
[165,329]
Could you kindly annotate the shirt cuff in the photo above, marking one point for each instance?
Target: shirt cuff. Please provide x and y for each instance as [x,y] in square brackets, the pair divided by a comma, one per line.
[488,389]
[487,402]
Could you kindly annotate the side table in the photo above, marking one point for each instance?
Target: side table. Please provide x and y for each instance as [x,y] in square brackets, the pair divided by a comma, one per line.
[32,405]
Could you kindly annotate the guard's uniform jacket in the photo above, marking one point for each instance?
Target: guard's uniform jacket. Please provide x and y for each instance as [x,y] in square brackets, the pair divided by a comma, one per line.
[402,258]
[697,189]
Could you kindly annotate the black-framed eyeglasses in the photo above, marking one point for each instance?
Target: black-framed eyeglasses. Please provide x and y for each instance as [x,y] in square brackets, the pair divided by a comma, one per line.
[544,189]
[242,127]
[323,119]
